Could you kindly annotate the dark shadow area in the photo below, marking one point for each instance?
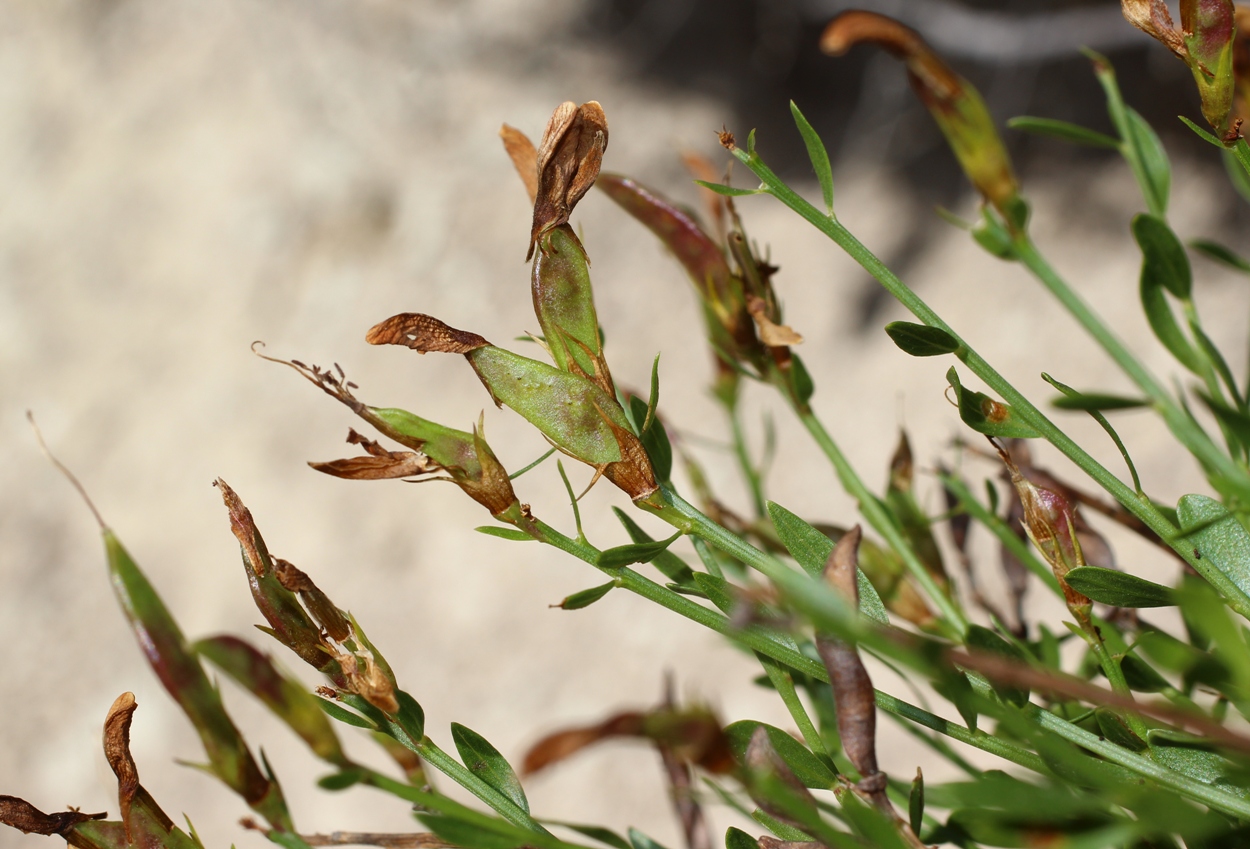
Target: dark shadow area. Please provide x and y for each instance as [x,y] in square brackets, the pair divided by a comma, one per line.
[1023,55]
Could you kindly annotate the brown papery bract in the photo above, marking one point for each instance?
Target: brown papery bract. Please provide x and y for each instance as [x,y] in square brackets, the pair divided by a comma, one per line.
[424,334]
[524,157]
[568,161]
[117,753]
[562,744]
[854,27]
[327,615]
[380,464]
[26,818]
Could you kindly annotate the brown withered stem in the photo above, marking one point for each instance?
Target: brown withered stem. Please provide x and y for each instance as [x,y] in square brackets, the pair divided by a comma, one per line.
[568,161]
[117,753]
[681,786]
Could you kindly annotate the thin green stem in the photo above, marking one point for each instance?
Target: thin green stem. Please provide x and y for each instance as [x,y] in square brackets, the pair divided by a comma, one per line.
[783,682]
[749,472]
[1028,413]
[884,524]
[1115,677]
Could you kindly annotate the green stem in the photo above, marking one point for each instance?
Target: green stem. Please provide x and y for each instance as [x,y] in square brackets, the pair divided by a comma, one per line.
[749,473]
[1139,507]
[772,645]
[783,682]
[883,523]
[1182,426]
[453,769]
[1115,677]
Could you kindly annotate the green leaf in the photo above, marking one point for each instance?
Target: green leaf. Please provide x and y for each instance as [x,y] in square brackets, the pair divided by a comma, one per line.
[342,714]
[639,552]
[1237,175]
[564,302]
[717,591]
[1159,314]
[284,696]
[1097,401]
[606,836]
[736,838]
[983,639]
[1141,676]
[801,379]
[1163,256]
[1062,130]
[920,340]
[1192,757]
[467,835]
[1237,422]
[1115,729]
[729,191]
[1217,252]
[411,718]
[641,841]
[985,415]
[1118,589]
[1201,133]
[915,803]
[1216,358]
[484,761]
[340,780]
[586,598]
[811,549]
[669,564]
[1155,173]
[804,764]
[817,153]
[995,238]
[1217,537]
[653,437]
[504,533]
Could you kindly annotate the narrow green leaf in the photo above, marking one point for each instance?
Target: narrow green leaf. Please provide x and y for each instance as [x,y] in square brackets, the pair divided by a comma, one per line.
[642,841]
[1235,168]
[985,415]
[810,548]
[805,765]
[1201,133]
[1166,329]
[717,591]
[801,379]
[915,803]
[1115,729]
[340,780]
[1097,416]
[920,340]
[1141,676]
[654,439]
[1155,173]
[1062,130]
[1119,589]
[639,552]
[283,695]
[1163,256]
[669,564]
[470,835]
[1096,401]
[1217,537]
[729,191]
[484,761]
[817,153]
[606,836]
[983,639]
[504,533]
[411,718]
[956,689]
[878,830]
[1237,422]
[1216,358]
[587,597]
[342,714]
[1217,252]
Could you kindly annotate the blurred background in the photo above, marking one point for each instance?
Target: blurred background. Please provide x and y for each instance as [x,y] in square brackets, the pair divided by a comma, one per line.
[179,179]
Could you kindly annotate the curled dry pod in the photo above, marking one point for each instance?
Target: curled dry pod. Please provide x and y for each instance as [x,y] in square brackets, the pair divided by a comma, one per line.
[26,818]
[568,161]
[573,412]
[954,103]
[853,693]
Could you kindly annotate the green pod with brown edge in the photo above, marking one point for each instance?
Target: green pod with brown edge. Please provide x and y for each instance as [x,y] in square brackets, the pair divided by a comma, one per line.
[179,671]
[1208,28]
[565,305]
[574,413]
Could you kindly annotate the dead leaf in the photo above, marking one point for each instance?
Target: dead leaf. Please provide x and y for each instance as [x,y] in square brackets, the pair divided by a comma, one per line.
[524,157]
[26,818]
[117,753]
[771,334]
[423,333]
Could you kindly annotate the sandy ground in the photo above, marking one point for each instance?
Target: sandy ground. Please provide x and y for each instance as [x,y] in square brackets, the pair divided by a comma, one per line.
[179,179]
